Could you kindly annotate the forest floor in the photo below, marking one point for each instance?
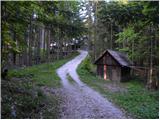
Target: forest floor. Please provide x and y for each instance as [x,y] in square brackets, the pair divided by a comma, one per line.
[33,92]
[81,101]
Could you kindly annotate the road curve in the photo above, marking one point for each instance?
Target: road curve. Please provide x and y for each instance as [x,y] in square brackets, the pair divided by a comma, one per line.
[81,101]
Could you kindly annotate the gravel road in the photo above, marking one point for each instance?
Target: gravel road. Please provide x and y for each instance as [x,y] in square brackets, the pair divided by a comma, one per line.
[81,101]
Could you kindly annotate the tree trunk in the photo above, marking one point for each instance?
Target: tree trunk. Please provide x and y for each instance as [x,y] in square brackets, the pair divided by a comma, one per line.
[95,32]
[14,54]
[30,43]
[150,80]
[39,45]
[25,49]
[111,37]
[48,46]
[44,45]
[58,45]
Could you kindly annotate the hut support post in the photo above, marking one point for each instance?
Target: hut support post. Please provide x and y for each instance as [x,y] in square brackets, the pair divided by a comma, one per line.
[105,72]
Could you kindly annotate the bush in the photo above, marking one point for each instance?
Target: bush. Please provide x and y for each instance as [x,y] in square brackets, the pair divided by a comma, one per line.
[87,65]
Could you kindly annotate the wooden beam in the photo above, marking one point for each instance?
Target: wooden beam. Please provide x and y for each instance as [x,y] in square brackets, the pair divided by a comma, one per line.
[105,72]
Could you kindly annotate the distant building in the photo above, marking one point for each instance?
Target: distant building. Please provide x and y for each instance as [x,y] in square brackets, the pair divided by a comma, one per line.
[114,66]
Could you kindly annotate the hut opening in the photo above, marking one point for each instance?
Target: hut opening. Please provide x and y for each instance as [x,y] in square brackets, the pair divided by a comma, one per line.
[113,65]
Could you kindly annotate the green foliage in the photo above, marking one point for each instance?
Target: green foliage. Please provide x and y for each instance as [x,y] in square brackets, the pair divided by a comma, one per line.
[16,94]
[127,35]
[27,102]
[150,11]
[138,101]
[87,65]
[86,75]
[22,20]
[132,96]
[134,30]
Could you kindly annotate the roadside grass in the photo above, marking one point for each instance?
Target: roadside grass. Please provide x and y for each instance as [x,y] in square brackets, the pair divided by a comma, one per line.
[43,74]
[22,99]
[23,96]
[51,109]
[70,79]
[136,100]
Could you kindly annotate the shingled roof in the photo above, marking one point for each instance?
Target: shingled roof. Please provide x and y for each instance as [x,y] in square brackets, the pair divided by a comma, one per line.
[121,58]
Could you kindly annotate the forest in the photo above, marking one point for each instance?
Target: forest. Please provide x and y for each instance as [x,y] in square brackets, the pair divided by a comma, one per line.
[38,38]
[36,32]
[131,28]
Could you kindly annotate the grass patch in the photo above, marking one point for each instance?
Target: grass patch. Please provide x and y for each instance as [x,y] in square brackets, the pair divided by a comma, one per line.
[70,79]
[51,109]
[139,101]
[43,74]
[23,96]
[22,99]
[136,100]
[19,98]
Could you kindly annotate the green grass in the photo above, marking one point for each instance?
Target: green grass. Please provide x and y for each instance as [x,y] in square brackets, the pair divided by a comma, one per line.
[70,79]
[27,100]
[139,101]
[43,74]
[136,99]
[23,93]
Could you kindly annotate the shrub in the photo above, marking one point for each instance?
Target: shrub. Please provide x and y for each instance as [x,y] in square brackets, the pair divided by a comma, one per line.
[87,65]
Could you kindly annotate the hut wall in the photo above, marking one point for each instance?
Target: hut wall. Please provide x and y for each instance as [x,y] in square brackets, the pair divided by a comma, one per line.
[113,73]
[109,60]
[100,70]
[100,62]
[125,74]
[109,72]
[116,74]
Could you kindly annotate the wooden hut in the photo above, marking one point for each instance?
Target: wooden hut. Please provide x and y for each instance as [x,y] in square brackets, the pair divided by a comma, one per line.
[113,65]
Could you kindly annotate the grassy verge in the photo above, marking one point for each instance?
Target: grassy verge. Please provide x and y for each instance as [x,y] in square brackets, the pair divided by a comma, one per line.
[130,96]
[43,74]
[23,96]
[70,79]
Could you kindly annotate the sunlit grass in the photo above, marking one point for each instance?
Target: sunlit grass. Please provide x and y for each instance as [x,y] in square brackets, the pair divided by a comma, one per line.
[43,74]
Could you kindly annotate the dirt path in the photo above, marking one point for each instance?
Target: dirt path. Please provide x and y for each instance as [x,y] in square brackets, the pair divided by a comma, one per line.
[80,101]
